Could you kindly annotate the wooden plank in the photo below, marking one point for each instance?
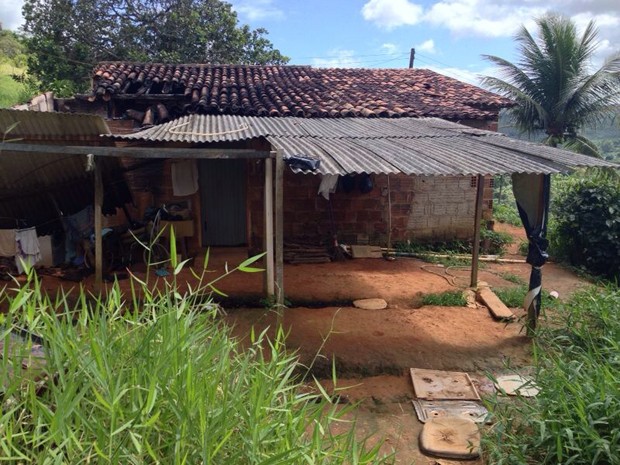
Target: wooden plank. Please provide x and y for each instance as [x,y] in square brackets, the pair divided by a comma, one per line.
[495,306]
[279,226]
[134,152]
[477,223]
[269,272]
[98,226]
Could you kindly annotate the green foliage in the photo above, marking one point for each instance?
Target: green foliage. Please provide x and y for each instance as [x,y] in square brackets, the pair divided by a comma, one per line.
[552,85]
[507,213]
[495,242]
[586,224]
[513,297]
[445,299]
[156,377]
[513,278]
[576,416]
[66,37]
[15,86]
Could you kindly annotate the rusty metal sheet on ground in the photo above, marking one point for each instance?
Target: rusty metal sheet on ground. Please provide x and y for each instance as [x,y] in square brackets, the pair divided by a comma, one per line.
[446,385]
[427,409]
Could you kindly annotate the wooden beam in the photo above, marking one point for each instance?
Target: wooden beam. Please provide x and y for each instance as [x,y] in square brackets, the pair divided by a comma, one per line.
[98,227]
[477,222]
[279,226]
[269,272]
[135,152]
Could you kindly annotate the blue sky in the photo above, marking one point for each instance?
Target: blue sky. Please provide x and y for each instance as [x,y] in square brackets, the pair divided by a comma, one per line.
[449,35]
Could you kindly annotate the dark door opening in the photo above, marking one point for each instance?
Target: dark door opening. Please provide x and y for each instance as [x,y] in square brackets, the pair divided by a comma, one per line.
[223,202]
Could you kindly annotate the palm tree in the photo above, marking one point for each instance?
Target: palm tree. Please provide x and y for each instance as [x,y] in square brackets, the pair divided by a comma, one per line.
[552,85]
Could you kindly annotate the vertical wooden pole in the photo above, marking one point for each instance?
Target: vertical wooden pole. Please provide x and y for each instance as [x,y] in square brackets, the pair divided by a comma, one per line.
[269,272]
[98,225]
[279,226]
[477,223]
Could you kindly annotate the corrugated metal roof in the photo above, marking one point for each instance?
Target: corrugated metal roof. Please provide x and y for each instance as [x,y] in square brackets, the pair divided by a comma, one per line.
[37,125]
[413,146]
[33,186]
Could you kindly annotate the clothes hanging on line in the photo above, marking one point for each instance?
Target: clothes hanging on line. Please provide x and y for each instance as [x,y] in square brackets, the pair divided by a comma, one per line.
[8,246]
[184,178]
[28,250]
[329,183]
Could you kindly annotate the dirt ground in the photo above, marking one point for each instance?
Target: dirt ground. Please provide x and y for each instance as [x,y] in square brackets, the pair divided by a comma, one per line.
[373,350]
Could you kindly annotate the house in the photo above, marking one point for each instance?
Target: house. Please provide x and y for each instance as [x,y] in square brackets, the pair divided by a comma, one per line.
[397,154]
[134,96]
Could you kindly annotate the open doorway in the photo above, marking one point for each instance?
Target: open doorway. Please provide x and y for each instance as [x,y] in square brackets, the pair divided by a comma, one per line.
[223,202]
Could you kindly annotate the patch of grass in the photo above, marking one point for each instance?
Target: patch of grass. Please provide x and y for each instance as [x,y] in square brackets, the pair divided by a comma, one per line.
[513,278]
[445,299]
[513,297]
[156,377]
[576,416]
[10,91]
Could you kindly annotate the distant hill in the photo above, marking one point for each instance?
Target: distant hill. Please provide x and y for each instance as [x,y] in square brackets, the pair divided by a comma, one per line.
[606,135]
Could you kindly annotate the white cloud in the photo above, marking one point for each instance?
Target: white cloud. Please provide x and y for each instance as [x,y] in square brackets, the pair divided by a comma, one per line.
[462,74]
[337,58]
[473,17]
[390,49]
[11,14]
[427,46]
[392,13]
[256,10]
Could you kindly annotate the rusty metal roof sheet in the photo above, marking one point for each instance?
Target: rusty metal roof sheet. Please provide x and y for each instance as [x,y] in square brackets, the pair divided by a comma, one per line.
[413,146]
[37,125]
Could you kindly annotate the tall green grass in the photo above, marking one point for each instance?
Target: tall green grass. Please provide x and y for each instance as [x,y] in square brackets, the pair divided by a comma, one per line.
[156,377]
[575,419]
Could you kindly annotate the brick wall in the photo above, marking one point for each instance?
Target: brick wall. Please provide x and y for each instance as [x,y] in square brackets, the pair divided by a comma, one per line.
[423,208]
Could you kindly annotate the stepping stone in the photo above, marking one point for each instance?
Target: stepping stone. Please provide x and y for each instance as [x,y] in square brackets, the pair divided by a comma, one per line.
[370,304]
[450,437]
[517,385]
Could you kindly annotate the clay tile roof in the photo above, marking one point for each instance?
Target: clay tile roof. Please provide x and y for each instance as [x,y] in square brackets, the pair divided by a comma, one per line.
[300,91]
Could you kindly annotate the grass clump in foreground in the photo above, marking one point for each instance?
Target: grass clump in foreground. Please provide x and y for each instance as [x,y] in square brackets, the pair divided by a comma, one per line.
[575,419]
[158,379]
[445,299]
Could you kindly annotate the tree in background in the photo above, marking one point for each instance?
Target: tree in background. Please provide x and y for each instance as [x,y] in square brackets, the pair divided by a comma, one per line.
[552,82]
[67,37]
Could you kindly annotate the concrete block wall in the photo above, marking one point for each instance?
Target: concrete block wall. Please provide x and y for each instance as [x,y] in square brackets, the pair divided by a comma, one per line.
[422,208]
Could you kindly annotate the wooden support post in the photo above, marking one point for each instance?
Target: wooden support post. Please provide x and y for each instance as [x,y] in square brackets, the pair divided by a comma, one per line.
[98,226]
[269,271]
[477,223]
[279,226]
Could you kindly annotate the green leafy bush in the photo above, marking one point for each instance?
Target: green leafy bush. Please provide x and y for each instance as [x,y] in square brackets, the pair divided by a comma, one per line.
[156,377]
[586,227]
[495,242]
[575,419]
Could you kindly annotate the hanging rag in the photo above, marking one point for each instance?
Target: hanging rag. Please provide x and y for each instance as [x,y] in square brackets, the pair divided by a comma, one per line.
[328,185]
[28,250]
[184,178]
[8,247]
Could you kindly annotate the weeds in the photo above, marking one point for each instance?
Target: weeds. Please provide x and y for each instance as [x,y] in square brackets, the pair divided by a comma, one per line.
[513,278]
[575,419]
[513,297]
[445,299]
[156,377]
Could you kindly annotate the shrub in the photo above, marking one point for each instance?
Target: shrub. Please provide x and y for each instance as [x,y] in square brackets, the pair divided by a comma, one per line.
[157,379]
[576,416]
[586,227]
[495,242]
